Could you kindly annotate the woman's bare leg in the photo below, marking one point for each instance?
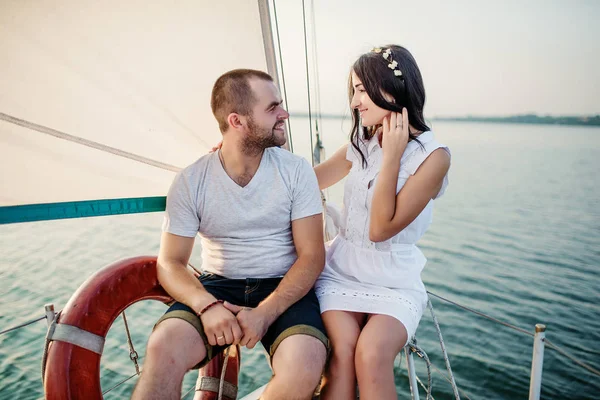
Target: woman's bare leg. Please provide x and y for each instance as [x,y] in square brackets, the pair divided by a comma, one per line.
[382,338]
[343,329]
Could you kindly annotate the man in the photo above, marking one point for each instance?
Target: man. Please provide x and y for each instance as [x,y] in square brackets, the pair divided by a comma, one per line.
[258,211]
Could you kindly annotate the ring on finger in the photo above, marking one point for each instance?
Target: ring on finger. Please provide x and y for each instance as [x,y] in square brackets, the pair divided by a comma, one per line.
[220,337]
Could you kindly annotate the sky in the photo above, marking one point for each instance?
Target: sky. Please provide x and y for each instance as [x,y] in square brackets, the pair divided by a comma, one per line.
[477,57]
[137,75]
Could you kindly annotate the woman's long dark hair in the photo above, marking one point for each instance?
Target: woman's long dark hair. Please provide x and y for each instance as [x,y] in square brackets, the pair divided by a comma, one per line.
[377,78]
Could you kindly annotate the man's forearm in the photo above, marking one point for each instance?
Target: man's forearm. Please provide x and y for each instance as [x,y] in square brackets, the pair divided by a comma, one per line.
[295,284]
[182,285]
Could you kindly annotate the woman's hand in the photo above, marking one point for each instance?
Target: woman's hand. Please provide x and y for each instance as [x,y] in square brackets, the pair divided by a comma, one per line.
[395,134]
[217,147]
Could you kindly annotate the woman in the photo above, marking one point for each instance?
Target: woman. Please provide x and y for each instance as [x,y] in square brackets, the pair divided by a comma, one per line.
[371,293]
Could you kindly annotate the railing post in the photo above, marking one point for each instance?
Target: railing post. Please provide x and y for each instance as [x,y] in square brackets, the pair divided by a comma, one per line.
[537,362]
[412,374]
[49,308]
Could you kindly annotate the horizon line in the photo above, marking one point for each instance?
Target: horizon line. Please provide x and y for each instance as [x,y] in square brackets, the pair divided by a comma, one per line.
[536,115]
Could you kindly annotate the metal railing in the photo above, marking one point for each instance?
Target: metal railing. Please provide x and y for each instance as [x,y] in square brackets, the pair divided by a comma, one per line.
[540,342]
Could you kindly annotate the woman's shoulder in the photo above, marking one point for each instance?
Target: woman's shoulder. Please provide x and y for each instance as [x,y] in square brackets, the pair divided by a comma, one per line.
[353,153]
[418,150]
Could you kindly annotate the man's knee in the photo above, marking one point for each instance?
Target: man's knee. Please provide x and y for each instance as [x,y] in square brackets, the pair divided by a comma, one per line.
[175,344]
[300,350]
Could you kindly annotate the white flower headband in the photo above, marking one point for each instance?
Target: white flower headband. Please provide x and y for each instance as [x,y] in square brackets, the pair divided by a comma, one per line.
[387,55]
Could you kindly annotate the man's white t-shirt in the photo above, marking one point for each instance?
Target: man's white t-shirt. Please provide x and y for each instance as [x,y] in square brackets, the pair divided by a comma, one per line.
[246,231]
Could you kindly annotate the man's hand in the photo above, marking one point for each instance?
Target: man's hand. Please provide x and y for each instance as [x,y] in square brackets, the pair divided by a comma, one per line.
[253,321]
[221,326]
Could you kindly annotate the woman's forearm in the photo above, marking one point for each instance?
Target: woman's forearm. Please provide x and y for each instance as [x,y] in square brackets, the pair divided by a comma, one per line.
[383,207]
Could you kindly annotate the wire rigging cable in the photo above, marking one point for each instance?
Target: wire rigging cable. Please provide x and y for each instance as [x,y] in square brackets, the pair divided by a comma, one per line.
[283,85]
[308,82]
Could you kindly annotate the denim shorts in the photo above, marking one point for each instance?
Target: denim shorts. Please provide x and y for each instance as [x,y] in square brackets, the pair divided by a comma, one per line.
[302,317]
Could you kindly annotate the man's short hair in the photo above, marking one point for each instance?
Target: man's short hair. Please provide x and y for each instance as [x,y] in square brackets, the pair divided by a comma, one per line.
[232,94]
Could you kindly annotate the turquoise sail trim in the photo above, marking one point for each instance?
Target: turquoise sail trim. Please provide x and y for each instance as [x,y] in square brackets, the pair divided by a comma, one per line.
[80,209]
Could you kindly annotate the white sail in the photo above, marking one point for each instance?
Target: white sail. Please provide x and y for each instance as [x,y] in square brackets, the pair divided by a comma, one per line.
[133,75]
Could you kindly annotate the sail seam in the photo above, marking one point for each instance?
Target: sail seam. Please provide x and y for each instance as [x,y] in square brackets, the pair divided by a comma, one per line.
[87,142]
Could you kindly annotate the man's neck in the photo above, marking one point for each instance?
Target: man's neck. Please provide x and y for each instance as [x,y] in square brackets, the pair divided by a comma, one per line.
[240,166]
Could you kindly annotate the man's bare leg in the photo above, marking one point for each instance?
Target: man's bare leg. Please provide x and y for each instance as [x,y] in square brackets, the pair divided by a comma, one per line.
[297,367]
[174,347]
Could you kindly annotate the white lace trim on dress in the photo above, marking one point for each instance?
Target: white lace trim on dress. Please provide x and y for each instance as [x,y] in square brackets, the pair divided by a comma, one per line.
[330,290]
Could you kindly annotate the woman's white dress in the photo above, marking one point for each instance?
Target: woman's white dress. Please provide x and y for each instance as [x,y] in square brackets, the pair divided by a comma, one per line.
[383,277]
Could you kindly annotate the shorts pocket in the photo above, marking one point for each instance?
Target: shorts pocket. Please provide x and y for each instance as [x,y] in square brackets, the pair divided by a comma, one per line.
[209,277]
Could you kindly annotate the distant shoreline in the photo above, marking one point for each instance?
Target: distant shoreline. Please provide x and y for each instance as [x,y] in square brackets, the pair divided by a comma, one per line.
[592,120]
[586,120]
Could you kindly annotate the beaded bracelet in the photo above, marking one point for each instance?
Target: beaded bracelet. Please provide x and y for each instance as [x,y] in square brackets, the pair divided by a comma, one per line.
[205,309]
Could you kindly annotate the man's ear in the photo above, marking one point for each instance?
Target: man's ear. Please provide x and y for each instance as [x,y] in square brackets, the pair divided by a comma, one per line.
[235,121]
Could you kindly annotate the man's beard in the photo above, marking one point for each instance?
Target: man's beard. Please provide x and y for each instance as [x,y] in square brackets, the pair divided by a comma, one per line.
[259,138]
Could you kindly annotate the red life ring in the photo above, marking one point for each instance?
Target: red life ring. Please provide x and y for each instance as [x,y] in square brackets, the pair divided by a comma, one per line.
[73,372]
[210,376]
